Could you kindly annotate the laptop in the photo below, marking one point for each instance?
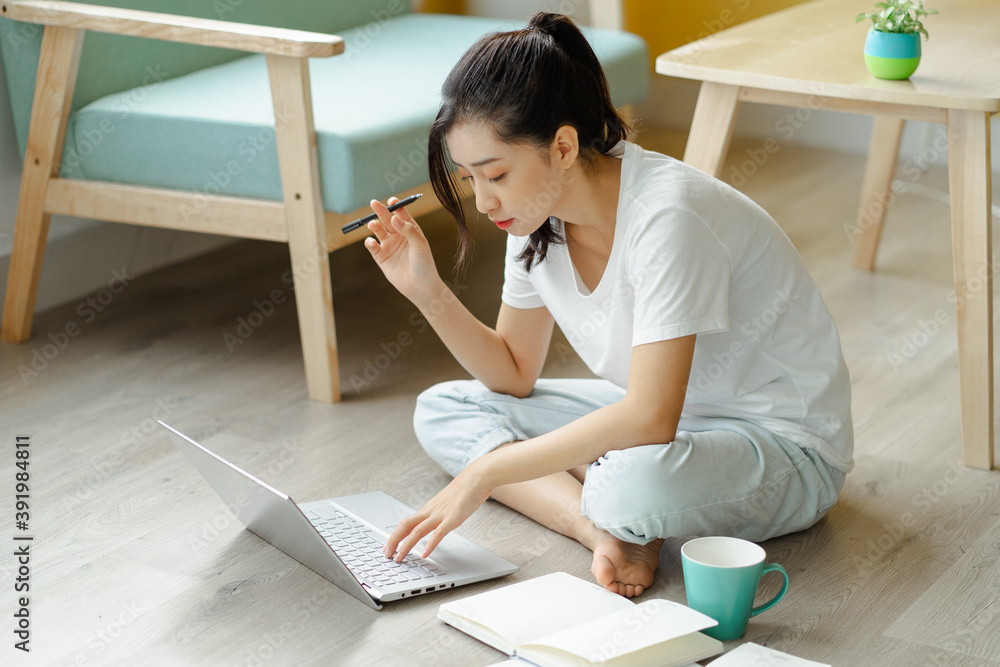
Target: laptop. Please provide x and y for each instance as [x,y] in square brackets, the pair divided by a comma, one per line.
[341,539]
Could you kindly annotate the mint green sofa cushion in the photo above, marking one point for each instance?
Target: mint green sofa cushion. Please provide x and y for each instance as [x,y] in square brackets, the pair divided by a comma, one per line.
[211,131]
[113,63]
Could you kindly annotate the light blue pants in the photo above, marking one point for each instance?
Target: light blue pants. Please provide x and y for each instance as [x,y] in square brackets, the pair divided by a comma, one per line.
[718,477]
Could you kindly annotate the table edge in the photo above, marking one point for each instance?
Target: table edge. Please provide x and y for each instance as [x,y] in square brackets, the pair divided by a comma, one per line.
[668,67]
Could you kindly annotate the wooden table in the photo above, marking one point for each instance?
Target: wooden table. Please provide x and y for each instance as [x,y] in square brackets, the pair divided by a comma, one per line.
[810,56]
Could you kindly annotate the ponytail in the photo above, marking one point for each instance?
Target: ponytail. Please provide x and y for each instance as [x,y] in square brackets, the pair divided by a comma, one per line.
[593,84]
[525,84]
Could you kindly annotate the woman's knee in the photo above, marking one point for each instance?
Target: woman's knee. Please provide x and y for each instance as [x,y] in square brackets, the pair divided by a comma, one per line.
[436,402]
[696,485]
[433,416]
[454,423]
[624,490]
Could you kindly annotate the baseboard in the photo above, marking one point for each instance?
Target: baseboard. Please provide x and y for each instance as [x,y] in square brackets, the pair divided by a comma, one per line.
[80,263]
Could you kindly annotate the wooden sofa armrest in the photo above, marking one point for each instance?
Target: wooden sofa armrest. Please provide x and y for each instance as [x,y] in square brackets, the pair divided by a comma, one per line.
[174,28]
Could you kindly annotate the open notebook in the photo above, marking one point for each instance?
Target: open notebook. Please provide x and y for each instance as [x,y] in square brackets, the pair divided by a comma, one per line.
[559,620]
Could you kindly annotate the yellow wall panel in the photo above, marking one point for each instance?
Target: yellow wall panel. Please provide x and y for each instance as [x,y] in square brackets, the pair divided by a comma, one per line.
[442,6]
[667,24]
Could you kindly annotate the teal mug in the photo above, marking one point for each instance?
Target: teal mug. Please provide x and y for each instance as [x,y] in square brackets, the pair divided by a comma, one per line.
[721,576]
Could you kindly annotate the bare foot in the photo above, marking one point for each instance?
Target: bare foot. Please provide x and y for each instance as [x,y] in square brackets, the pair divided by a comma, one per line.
[623,567]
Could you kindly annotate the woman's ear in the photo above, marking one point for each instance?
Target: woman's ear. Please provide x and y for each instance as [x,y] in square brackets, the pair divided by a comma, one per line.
[566,146]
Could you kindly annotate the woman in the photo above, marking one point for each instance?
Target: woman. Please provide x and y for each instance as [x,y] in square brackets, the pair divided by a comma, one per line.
[724,403]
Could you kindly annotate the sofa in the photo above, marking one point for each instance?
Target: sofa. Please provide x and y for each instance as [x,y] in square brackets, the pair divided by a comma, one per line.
[248,118]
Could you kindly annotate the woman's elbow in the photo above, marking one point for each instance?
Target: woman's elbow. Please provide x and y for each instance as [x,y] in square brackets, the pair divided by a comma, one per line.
[659,436]
[517,389]
[654,429]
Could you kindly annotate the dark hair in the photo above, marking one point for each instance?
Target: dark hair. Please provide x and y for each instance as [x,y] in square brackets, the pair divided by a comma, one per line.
[525,84]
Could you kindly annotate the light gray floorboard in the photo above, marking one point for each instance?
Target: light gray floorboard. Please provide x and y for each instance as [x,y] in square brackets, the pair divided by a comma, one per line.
[136,562]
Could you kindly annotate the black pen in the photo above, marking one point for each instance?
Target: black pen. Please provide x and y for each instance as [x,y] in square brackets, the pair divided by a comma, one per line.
[351,226]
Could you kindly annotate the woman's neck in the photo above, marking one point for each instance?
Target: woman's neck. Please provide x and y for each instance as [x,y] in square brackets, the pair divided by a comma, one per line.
[591,203]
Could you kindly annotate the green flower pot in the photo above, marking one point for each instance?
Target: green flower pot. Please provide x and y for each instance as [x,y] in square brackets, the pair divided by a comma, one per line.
[892,55]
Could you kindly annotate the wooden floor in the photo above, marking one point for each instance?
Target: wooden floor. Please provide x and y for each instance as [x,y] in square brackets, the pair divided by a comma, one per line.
[135,560]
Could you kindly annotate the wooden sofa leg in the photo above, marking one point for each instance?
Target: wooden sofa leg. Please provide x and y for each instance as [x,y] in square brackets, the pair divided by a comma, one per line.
[880,168]
[296,142]
[57,68]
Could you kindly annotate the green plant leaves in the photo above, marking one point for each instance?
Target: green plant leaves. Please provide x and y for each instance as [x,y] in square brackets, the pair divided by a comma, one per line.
[899,16]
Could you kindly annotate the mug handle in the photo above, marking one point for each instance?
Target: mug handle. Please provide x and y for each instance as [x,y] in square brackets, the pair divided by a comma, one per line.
[772,567]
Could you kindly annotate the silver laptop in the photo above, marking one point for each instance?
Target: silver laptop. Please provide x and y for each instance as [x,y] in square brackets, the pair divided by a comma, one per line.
[342,539]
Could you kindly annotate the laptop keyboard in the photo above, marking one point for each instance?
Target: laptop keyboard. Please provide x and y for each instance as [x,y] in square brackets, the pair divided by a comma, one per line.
[364,555]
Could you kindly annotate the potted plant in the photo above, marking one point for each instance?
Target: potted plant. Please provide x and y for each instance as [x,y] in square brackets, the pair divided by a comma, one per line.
[892,49]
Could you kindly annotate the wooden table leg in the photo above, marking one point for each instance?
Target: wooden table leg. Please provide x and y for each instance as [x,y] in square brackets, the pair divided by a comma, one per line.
[883,151]
[972,248]
[57,68]
[712,127]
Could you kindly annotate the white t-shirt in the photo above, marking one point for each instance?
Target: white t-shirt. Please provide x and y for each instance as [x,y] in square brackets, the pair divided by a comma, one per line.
[692,255]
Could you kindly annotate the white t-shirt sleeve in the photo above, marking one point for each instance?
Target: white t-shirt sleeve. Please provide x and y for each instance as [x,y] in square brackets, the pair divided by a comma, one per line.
[680,274]
[518,292]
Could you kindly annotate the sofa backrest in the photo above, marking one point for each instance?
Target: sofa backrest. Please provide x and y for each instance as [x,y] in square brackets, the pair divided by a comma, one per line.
[112,63]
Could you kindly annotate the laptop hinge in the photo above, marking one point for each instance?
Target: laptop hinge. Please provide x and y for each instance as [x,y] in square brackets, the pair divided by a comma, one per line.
[373,593]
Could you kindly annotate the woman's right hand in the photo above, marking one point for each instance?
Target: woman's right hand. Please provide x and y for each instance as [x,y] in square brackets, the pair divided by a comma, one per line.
[402,252]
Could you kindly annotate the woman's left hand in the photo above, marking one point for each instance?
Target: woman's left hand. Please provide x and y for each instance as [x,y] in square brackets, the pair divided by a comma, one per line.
[440,515]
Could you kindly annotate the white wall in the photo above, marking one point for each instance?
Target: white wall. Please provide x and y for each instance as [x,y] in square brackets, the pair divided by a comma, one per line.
[523,9]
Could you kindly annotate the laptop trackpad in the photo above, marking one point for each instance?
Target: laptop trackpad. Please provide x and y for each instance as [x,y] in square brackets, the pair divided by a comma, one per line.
[450,541]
